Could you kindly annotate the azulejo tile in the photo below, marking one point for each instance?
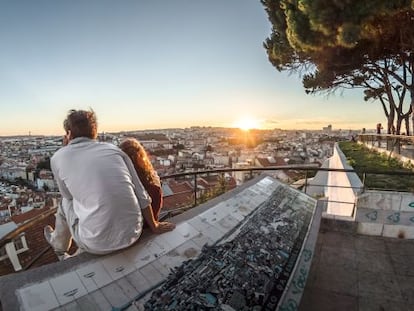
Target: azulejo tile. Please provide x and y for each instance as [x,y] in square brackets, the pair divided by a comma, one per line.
[67,287]
[38,297]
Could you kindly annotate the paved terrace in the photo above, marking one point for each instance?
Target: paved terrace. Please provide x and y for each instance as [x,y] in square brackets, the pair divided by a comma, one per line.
[359,272]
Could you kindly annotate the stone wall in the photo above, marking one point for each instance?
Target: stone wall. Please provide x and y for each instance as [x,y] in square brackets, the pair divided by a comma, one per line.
[385,213]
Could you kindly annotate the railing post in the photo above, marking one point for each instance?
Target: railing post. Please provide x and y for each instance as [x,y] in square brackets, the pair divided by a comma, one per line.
[195,189]
[306,180]
[398,145]
[364,176]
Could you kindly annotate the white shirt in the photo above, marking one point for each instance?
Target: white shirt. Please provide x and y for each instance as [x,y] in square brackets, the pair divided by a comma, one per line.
[106,192]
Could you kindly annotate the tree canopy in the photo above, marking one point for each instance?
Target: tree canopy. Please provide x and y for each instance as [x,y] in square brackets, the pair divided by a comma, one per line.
[341,44]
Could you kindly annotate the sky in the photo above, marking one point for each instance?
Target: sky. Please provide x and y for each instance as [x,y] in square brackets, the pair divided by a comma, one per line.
[152,64]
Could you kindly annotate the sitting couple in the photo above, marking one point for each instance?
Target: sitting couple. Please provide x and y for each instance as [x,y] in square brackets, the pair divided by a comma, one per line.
[107,193]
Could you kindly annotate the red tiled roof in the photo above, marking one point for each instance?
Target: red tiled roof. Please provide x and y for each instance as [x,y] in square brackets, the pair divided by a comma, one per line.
[264,162]
[178,187]
[36,244]
[182,195]
[174,201]
[21,218]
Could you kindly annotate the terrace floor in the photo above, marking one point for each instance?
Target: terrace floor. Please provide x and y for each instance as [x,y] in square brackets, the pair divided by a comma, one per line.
[359,272]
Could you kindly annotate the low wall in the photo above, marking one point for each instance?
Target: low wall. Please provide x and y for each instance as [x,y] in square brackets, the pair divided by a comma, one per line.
[345,186]
[383,213]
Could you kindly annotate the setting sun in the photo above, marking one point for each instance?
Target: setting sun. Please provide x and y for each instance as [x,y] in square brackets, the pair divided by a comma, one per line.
[247,123]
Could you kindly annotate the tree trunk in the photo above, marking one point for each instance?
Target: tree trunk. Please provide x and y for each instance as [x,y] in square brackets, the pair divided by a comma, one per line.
[411,65]
[407,120]
[412,115]
[399,122]
[407,125]
[391,118]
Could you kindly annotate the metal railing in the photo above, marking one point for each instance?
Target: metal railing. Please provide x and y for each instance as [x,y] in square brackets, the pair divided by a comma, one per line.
[399,144]
[195,175]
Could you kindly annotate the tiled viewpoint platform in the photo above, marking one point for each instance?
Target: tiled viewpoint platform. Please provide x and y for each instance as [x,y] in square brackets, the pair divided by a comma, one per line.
[251,247]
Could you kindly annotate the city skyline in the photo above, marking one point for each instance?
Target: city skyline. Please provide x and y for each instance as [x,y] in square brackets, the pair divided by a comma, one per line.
[150,65]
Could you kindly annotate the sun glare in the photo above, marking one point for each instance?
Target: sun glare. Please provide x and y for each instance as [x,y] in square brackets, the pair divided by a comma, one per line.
[246,124]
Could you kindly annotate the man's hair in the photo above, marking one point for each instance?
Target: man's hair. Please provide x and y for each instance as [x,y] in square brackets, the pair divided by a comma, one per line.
[81,123]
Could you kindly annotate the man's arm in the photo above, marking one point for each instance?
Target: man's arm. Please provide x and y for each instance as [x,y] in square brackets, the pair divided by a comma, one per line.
[64,191]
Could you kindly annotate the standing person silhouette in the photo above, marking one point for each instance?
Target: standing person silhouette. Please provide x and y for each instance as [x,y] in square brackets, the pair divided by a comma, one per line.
[379,128]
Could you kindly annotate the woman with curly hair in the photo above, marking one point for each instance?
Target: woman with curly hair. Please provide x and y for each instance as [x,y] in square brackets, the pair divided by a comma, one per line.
[146,173]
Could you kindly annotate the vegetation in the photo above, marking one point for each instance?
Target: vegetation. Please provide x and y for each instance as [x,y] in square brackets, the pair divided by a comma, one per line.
[348,44]
[362,158]
[149,136]
[217,190]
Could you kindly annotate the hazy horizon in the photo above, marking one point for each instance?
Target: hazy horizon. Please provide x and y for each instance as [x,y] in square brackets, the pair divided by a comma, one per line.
[194,126]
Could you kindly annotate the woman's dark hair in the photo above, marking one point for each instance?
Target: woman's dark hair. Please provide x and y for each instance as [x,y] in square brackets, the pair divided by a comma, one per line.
[81,123]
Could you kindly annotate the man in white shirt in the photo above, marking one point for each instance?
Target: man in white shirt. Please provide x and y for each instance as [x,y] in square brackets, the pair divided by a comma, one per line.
[103,200]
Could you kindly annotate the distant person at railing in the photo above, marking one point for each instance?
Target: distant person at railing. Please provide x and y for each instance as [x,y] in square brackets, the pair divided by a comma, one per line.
[146,172]
[103,200]
[379,128]
[363,130]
